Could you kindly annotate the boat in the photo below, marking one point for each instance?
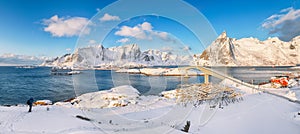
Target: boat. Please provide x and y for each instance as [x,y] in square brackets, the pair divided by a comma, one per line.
[63,71]
[252,69]
[73,72]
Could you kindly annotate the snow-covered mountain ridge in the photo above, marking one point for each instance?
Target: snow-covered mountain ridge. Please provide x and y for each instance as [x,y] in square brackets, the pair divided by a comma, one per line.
[250,52]
[224,51]
[120,56]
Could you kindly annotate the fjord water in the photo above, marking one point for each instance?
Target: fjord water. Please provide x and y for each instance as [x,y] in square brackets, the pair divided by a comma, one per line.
[19,84]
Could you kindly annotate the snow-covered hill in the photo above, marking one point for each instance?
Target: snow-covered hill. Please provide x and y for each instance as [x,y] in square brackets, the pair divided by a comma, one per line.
[127,55]
[250,52]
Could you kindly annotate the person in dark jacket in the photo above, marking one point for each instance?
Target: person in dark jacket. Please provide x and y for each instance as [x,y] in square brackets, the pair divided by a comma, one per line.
[30,102]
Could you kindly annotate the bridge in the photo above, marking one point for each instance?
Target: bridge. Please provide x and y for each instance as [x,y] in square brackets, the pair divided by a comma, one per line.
[211,72]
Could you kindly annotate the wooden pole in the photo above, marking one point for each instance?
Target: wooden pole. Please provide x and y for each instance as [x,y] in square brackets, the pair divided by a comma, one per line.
[206,78]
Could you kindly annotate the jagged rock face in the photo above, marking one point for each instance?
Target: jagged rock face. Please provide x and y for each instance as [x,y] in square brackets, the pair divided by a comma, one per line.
[127,52]
[221,52]
[118,56]
[250,52]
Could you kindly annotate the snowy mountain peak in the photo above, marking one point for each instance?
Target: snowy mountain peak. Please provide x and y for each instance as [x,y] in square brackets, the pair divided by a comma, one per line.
[222,39]
[250,52]
[223,35]
[223,51]
[127,55]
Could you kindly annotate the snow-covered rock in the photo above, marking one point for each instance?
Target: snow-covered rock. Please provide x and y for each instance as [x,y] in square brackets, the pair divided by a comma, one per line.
[115,97]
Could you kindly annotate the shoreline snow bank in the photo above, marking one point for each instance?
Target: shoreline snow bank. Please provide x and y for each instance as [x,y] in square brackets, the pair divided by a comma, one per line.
[150,114]
[161,72]
[279,116]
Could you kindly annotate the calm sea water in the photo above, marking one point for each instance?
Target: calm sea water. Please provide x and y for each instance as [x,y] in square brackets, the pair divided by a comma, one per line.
[19,84]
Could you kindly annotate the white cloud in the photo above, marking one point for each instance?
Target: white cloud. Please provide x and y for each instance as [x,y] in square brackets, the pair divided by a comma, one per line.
[286,24]
[13,59]
[135,32]
[186,48]
[286,9]
[68,49]
[146,26]
[108,17]
[167,49]
[92,42]
[143,31]
[67,27]
[124,40]
[162,35]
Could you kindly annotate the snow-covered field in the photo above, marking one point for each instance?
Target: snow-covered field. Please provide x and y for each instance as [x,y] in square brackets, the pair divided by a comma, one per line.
[123,110]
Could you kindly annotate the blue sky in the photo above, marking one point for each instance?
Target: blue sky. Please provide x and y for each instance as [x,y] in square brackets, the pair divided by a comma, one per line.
[25,26]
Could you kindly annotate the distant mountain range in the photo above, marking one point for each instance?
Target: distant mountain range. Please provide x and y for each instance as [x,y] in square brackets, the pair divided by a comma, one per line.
[10,59]
[121,56]
[224,51]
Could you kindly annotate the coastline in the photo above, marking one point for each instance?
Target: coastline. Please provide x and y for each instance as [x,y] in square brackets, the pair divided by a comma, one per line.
[154,114]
